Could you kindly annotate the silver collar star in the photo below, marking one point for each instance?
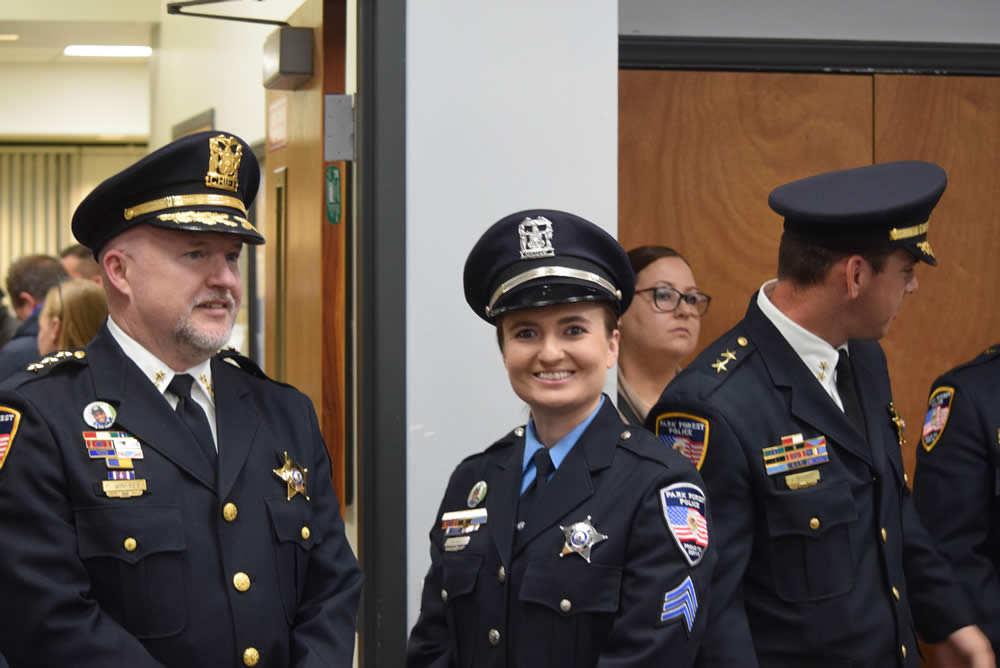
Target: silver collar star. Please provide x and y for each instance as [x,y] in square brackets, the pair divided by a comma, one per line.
[581,537]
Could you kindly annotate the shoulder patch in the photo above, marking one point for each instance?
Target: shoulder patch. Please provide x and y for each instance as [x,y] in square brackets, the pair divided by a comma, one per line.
[684,510]
[685,433]
[938,407]
[9,421]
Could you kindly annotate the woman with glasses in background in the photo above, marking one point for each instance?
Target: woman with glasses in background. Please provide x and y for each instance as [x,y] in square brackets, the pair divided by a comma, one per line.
[72,313]
[659,330]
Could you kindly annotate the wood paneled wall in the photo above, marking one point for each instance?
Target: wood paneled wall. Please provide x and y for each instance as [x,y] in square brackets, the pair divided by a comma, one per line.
[304,311]
[700,151]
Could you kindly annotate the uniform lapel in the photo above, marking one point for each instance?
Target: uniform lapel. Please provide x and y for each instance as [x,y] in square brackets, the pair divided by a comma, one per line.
[809,401]
[142,410]
[235,420]
[573,481]
[505,467]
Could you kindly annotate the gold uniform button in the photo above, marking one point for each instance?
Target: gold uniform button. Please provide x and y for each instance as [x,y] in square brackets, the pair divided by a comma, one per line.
[626,435]
[742,341]
[251,656]
[501,574]
[130,544]
[565,605]
[494,637]
[885,535]
[902,649]
[906,479]
[895,592]
[79,354]
[519,432]
[305,533]
[229,512]
[241,581]
[444,594]
[814,523]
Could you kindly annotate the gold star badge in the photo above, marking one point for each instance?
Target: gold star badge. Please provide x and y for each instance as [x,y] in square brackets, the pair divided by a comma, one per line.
[728,355]
[294,476]
[720,366]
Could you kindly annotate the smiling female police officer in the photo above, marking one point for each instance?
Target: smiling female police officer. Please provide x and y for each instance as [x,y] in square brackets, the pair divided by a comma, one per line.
[572,540]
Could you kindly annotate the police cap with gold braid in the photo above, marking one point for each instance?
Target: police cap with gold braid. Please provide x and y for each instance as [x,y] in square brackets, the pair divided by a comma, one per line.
[203,182]
[874,207]
[542,257]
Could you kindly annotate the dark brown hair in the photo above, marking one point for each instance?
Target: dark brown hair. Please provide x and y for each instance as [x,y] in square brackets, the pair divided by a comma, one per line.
[643,256]
[806,263]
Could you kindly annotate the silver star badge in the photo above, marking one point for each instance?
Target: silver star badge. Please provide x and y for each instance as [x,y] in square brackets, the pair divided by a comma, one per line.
[581,537]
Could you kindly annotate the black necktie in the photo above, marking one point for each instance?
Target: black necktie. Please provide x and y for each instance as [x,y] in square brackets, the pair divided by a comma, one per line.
[543,467]
[192,414]
[848,393]
[532,495]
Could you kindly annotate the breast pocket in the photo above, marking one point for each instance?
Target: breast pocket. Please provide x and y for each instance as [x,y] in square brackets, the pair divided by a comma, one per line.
[135,557]
[810,548]
[460,572]
[294,539]
[572,604]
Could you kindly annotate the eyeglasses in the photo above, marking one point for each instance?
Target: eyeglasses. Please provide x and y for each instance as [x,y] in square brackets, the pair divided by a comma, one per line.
[667,299]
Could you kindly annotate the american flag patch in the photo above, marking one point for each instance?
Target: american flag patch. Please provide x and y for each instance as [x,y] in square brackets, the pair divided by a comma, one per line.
[687,434]
[9,421]
[684,509]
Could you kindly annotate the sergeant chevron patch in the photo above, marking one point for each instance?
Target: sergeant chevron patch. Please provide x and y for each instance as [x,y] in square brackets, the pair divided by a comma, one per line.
[682,601]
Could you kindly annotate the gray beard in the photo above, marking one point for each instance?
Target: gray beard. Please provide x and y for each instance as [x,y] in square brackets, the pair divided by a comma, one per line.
[186,334]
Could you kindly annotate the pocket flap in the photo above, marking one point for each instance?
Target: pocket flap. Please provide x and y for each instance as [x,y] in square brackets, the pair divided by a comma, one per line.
[460,573]
[570,585]
[810,512]
[129,533]
[291,523]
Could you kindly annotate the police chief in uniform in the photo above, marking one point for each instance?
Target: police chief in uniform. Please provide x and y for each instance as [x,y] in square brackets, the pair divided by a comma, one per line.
[574,540]
[200,529]
[956,485]
[790,419]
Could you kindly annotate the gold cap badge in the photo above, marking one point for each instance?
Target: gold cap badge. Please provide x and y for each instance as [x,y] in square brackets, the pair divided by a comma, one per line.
[224,158]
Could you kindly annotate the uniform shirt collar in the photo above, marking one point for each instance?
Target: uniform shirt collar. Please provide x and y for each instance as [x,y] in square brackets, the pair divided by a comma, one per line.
[557,452]
[817,354]
[158,373]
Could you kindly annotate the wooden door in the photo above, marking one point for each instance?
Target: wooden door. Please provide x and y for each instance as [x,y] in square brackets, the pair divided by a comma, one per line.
[700,151]
[955,122]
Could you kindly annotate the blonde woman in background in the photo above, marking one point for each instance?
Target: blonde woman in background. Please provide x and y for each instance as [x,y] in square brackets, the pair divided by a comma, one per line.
[659,330]
[72,313]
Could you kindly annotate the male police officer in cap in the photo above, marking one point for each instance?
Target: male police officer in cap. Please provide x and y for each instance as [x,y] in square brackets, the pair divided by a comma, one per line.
[823,561]
[201,529]
[571,541]
[956,485]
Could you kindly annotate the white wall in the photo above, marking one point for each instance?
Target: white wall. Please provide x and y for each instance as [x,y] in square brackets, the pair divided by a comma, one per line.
[75,100]
[209,63]
[509,106]
[880,20]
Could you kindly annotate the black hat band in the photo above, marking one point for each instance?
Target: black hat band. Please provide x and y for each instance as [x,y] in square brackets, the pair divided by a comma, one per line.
[547,272]
[175,201]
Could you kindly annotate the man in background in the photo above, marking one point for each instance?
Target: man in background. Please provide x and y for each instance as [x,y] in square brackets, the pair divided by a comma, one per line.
[28,280]
[79,262]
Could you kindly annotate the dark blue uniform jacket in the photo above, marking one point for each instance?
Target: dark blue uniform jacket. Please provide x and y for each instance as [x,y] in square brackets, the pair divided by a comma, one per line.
[956,485]
[92,581]
[510,599]
[833,572]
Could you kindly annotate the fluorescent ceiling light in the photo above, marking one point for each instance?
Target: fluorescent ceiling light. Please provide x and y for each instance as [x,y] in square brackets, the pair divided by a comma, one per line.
[114,51]
[9,37]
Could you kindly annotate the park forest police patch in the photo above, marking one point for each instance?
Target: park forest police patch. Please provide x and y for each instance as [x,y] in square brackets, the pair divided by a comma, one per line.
[9,420]
[687,434]
[684,509]
[938,408]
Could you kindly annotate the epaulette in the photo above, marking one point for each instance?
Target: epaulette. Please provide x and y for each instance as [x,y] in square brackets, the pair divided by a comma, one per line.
[725,355]
[240,361]
[988,355]
[511,435]
[56,359]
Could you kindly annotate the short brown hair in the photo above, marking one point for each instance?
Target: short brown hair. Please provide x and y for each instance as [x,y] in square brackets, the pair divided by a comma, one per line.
[641,257]
[805,263]
[33,274]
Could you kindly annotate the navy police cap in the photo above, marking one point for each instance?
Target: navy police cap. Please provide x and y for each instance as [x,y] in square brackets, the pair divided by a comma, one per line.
[203,182]
[867,208]
[542,257]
